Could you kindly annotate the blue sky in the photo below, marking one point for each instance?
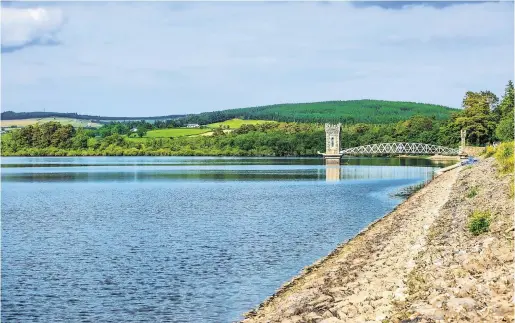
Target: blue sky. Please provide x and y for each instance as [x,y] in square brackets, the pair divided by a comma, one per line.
[157,58]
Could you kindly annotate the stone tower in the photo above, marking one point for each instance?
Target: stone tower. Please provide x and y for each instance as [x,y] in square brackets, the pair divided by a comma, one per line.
[332,144]
[332,139]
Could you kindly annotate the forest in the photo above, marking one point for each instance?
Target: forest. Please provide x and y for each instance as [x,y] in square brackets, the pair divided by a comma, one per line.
[487,119]
[347,112]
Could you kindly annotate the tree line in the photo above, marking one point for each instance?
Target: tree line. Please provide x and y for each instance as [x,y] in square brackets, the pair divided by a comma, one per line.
[486,118]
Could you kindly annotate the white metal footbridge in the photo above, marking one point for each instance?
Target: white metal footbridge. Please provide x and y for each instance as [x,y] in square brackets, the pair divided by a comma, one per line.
[334,152]
[404,148]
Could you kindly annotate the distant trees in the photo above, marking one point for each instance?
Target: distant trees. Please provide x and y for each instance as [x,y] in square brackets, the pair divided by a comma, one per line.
[485,117]
[504,111]
[346,112]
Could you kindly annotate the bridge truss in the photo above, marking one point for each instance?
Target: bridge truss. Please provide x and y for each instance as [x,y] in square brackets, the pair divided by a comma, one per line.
[400,148]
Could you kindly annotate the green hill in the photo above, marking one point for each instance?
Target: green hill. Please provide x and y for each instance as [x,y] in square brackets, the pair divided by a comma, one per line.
[347,112]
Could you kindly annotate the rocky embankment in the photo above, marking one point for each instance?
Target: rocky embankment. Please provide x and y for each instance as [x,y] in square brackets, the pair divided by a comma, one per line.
[419,263]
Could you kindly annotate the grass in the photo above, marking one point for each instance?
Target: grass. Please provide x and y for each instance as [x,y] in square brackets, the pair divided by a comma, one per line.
[472,192]
[410,190]
[504,156]
[26,122]
[175,132]
[479,222]
[489,151]
[236,123]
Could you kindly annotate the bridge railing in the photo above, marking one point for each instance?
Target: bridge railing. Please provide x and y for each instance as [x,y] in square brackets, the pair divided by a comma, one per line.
[401,148]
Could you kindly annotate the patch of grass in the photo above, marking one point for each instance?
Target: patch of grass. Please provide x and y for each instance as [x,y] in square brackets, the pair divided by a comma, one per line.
[479,222]
[410,190]
[511,189]
[504,156]
[489,151]
[236,123]
[174,132]
[472,192]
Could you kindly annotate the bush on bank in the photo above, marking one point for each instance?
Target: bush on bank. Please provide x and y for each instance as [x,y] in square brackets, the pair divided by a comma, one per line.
[504,156]
[479,222]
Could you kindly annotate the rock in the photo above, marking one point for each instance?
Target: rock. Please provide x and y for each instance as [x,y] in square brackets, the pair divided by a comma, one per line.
[488,241]
[399,294]
[327,314]
[465,286]
[430,312]
[313,317]
[350,311]
[296,319]
[324,299]
[504,254]
[458,305]
[331,320]
[473,266]
[503,310]
[293,319]
[359,298]
[437,301]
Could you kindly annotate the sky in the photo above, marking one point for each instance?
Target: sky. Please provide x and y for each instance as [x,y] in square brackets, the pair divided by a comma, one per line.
[160,58]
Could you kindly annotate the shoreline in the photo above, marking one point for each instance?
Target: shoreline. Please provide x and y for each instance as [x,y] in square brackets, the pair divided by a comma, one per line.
[373,277]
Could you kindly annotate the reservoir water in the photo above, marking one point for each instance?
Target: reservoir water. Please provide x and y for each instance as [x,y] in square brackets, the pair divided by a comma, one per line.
[177,239]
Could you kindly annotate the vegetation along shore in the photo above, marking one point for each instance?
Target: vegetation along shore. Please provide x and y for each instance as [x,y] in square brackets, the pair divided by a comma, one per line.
[444,255]
[279,130]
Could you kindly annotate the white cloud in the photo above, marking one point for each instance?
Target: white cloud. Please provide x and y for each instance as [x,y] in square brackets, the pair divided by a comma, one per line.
[158,58]
[22,26]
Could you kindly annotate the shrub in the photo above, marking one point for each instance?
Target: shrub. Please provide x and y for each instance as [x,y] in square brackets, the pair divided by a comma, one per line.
[472,192]
[489,151]
[504,156]
[479,222]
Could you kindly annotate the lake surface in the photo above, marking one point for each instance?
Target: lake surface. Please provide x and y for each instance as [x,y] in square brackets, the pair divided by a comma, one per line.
[177,239]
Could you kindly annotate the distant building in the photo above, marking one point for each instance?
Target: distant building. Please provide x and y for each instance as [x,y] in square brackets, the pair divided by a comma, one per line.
[134,129]
[192,125]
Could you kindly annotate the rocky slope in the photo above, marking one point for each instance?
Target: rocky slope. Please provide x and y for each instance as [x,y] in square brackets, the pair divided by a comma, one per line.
[419,263]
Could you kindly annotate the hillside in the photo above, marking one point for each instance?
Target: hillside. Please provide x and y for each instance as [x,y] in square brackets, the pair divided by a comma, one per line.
[348,112]
[11,115]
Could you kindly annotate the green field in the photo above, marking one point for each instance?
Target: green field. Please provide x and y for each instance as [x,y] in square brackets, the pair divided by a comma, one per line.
[236,123]
[175,132]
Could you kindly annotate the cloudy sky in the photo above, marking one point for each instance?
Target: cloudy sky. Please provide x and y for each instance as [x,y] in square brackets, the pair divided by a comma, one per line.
[156,58]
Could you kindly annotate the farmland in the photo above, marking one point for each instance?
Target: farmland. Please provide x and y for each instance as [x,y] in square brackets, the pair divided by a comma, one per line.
[175,132]
[236,123]
[26,122]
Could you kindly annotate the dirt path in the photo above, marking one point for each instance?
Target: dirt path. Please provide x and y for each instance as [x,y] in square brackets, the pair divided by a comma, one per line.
[364,279]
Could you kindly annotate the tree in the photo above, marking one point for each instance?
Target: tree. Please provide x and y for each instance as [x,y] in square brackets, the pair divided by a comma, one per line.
[477,118]
[218,131]
[141,132]
[505,108]
[504,130]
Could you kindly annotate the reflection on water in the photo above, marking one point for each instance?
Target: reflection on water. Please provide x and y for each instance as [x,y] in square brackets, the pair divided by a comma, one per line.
[332,173]
[145,239]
